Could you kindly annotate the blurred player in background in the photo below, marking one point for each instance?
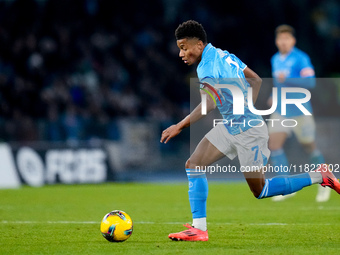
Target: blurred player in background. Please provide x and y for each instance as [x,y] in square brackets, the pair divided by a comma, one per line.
[290,62]
[249,143]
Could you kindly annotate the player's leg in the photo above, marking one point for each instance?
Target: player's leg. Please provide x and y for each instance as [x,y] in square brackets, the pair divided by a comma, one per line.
[305,133]
[286,184]
[277,138]
[279,185]
[204,155]
[316,159]
[253,154]
[256,181]
[207,152]
[278,157]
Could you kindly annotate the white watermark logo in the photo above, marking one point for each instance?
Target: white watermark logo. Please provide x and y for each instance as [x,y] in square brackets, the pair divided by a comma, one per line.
[288,123]
[239,100]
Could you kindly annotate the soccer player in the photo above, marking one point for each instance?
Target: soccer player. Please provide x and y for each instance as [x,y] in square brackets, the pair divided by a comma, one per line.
[246,142]
[290,62]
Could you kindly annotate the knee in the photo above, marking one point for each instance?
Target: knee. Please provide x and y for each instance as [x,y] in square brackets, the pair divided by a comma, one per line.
[187,164]
[257,190]
[190,164]
[257,193]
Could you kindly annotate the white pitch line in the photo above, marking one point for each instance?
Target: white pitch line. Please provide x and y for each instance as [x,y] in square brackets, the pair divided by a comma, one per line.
[169,223]
[48,222]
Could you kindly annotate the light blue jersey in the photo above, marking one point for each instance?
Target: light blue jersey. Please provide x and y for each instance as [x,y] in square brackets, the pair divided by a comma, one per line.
[295,65]
[221,67]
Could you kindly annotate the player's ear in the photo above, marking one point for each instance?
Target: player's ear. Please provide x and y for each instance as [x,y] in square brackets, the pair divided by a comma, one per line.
[294,40]
[200,45]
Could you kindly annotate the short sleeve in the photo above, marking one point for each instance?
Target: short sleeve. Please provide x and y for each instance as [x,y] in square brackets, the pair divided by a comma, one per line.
[206,74]
[238,61]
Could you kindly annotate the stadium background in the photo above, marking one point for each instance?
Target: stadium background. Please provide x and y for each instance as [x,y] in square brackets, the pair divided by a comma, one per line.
[87,74]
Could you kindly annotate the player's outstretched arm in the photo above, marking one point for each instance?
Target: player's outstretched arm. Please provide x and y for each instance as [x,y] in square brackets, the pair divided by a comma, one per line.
[254,80]
[174,130]
[193,117]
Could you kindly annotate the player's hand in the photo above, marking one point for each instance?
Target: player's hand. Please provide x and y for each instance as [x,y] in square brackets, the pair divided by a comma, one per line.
[170,132]
[270,101]
[281,78]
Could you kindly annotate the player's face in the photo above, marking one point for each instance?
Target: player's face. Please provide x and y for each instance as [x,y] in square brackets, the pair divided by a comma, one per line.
[190,50]
[285,42]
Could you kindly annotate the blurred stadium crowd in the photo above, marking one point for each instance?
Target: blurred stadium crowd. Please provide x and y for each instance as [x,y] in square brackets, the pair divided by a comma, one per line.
[69,70]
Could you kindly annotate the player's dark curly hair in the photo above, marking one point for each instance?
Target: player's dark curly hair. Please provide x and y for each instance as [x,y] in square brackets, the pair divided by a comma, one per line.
[191,29]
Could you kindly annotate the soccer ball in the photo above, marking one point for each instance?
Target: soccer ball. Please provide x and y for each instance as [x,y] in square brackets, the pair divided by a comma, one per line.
[116,226]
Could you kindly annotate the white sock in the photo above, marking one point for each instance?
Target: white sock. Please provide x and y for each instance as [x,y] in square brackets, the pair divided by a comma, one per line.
[316,177]
[200,223]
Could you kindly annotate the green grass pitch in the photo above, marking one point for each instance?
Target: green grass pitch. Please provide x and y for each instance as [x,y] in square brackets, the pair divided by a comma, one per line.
[65,219]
